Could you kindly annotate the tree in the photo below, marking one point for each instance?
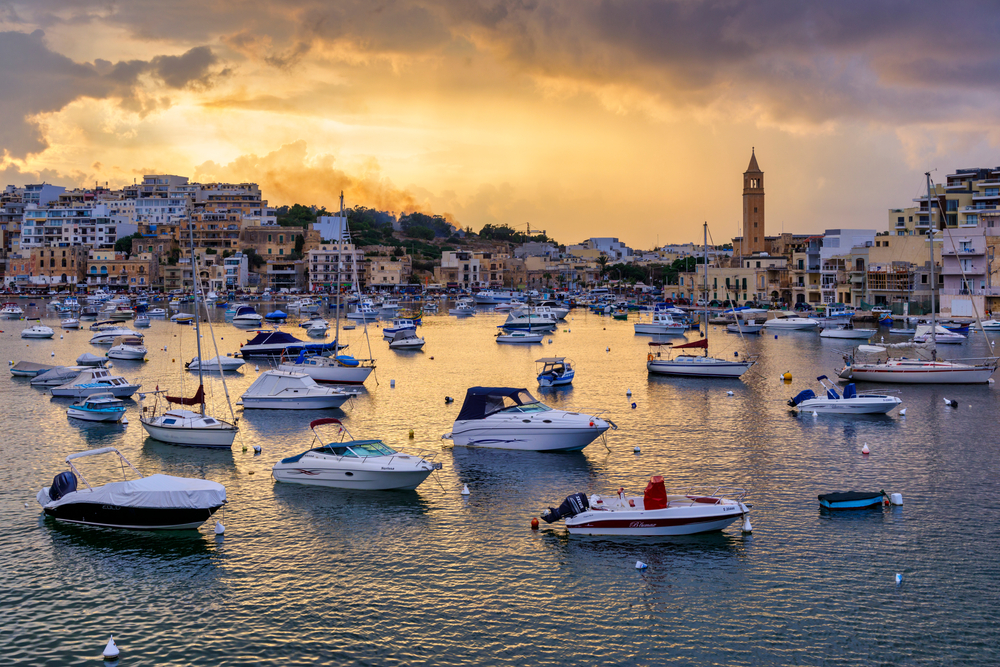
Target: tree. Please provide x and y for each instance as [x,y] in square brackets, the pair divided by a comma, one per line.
[602,260]
[124,244]
[300,242]
[548,277]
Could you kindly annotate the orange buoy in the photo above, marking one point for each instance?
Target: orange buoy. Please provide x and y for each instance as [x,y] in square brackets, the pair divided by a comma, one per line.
[534,524]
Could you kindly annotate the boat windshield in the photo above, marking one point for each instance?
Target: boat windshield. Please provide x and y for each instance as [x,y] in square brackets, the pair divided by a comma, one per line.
[358,449]
[530,407]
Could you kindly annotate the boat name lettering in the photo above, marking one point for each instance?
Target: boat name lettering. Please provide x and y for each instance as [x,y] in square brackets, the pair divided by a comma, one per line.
[641,524]
[113,508]
[384,468]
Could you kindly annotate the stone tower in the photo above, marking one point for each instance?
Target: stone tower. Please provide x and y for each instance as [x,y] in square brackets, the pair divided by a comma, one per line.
[753,209]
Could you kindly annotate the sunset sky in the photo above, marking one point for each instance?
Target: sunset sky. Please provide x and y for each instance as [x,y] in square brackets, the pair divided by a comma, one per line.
[582,117]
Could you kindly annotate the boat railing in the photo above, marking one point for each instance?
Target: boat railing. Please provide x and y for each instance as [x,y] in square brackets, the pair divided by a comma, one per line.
[720,492]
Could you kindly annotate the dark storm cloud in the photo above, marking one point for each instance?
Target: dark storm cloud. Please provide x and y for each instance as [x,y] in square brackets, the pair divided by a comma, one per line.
[35,79]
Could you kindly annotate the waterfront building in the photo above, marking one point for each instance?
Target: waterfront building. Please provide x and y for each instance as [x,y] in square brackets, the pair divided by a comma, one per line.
[110,270]
[333,264]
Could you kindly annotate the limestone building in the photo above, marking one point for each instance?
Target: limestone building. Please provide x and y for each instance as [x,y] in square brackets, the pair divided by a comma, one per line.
[753,209]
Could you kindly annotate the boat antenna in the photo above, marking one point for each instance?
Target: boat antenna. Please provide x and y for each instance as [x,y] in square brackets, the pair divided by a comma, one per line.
[705,228]
[340,242]
[197,321]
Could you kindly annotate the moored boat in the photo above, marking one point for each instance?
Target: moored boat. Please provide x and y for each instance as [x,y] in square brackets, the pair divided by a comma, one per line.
[852,500]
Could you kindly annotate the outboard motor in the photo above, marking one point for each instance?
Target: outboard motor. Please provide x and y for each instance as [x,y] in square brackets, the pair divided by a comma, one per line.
[801,396]
[572,506]
[63,483]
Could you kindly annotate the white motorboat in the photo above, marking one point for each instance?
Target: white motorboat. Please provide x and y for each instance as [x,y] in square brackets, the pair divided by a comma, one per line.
[215,364]
[389,308]
[318,329]
[660,322]
[313,322]
[694,366]
[57,376]
[463,308]
[157,502]
[941,335]
[88,359]
[406,339]
[103,407]
[156,312]
[851,403]
[365,312]
[846,331]
[519,337]
[555,371]
[742,326]
[305,306]
[107,332]
[11,311]
[366,465]
[37,331]
[341,369]
[991,325]
[70,323]
[522,320]
[283,390]
[791,323]
[487,297]
[400,324]
[278,343]
[658,512]
[430,307]
[88,313]
[182,318]
[122,314]
[511,418]
[247,316]
[128,348]
[94,381]
[141,322]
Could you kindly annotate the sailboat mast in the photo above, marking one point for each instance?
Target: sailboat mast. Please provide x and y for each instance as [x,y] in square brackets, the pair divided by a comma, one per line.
[705,227]
[197,319]
[930,235]
[340,257]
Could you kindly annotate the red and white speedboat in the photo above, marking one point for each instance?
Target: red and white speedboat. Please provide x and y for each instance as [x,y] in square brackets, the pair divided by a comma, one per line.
[657,512]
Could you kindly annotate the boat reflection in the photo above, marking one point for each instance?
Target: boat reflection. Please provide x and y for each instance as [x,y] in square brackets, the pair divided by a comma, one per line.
[331,511]
[498,470]
[105,547]
[668,553]
[205,462]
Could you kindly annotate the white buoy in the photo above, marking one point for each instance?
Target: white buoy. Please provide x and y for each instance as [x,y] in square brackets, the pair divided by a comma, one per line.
[637,449]
[550,341]
[125,421]
[902,413]
[53,354]
[256,449]
[815,414]
[465,489]
[607,349]
[219,528]
[899,578]
[729,393]
[60,337]
[628,392]
[392,383]
[747,528]
[865,450]
[256,367]
[111,650]
[895,498]
[25,504]
[639,565]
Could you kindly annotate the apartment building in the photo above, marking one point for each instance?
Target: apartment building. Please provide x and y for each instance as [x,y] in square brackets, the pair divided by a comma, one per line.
[111,270]
[333,264]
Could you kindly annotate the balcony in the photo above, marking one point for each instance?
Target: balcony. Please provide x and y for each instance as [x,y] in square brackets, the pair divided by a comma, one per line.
[987,291]
[964,252]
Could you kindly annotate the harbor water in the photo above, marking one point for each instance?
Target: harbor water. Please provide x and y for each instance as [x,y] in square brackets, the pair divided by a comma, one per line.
[311,576]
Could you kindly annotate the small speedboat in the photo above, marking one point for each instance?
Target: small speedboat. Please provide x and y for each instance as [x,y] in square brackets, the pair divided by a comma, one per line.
[215,364]
[340,369]
[555,371]
[318,329]
[511,418]
[276,316]
[406,339]
[29,369]
[851,403]
[156,312]
[128,348]
[657,512]
[846,330]
[400,324]
[37,331]
[852,500]
[368,465]
[182,318]
[57,376]
[141,322]
[791,323]
[95,381]
[246,316]
[102,407]
[282,390]
[463,308]
[70,323]
[11,311]
[157,502]
[941,335]
[88,359]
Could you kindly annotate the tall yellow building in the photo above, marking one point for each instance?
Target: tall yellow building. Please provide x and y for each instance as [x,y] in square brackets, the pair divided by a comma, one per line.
[753,209]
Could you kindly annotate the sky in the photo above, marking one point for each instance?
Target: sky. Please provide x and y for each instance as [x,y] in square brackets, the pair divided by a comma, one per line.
[633,119]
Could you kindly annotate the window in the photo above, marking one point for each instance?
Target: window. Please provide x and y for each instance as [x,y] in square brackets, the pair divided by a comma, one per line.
[281,251]
[899,219]
[268,251]
[755,210]
[268,238]
[940,280]
[758,265]
[281,238]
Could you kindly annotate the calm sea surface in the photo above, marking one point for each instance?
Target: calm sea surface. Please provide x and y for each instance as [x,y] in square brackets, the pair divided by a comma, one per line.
[309,576]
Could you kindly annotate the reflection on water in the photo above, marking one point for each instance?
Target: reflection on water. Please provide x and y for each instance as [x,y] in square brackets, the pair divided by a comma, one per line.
[308,575]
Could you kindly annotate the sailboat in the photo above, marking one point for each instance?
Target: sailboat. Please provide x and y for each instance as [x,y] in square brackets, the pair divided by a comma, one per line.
[692,365]
[339,369]
[186,427]
[866,362]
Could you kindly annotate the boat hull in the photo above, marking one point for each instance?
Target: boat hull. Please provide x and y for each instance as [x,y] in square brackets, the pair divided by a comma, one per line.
[350,478]
[134,518]
[220,438]
[331,374]
[849,334]
[532,439]
[661,329]
[92,416]
[728,369]
[916,374]
[299,403]
[850,406]
[655,523]
[82,391]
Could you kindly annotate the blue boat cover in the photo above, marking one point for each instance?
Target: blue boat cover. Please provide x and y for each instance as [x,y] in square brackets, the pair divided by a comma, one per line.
[850,391]
[483,401]
[273,338]
[804,395]
[850,496]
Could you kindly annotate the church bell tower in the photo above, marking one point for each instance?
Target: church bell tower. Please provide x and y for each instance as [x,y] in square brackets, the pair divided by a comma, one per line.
[753,208]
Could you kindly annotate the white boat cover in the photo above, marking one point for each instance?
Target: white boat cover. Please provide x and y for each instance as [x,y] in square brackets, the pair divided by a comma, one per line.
[88,359]
[155,491]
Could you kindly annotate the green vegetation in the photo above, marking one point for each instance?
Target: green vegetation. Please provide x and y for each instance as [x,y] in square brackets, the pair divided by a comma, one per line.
[298,215]
[254,259]
[508,233]
[124,244]
[418,225]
